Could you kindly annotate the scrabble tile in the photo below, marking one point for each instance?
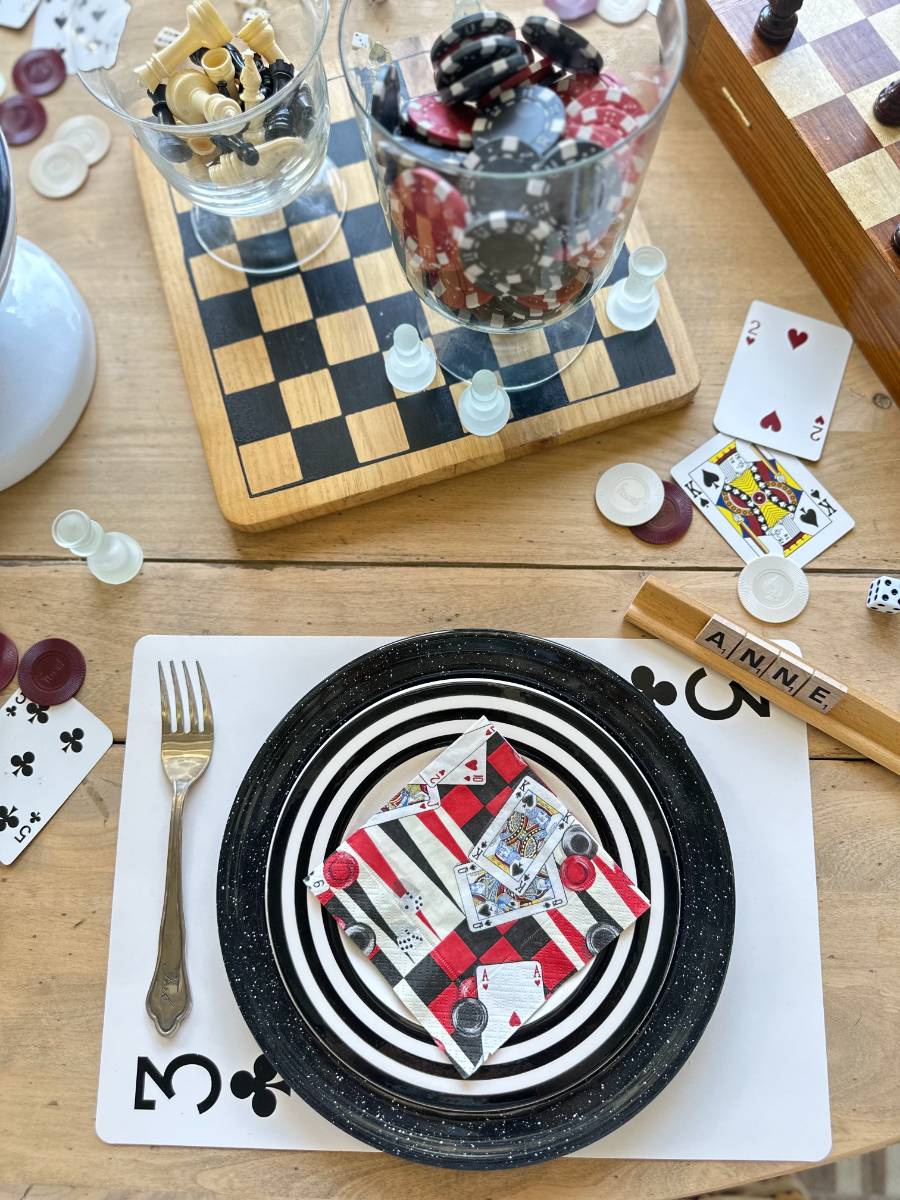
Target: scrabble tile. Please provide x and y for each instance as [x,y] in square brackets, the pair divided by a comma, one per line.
[788,674]
[822,692]
[754,654]
[720,636]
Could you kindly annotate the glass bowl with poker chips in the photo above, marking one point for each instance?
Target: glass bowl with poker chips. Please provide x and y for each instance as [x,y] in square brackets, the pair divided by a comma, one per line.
[230,104]
[509,149]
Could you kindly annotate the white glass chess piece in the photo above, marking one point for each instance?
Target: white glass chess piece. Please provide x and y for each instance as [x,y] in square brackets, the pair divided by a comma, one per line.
[484,406]
[634,301]
[410,364]
[111,557]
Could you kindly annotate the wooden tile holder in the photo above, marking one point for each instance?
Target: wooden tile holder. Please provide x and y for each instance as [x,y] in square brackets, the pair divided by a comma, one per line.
[721,645]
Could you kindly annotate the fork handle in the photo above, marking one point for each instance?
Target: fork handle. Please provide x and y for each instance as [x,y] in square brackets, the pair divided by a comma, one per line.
[169,996]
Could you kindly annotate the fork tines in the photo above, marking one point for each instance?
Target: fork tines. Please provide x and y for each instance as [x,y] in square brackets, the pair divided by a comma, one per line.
[193,725]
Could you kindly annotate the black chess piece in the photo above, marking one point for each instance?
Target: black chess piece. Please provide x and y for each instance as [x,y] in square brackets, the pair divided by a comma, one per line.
[777,21]
[895,240]
[280,121]
[173,149]
[265,77]
[237,59]
[886,108]
[197,57]
[304,111]
[233,144]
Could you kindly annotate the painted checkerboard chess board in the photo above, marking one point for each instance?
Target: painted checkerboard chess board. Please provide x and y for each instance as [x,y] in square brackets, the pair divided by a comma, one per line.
[286,374]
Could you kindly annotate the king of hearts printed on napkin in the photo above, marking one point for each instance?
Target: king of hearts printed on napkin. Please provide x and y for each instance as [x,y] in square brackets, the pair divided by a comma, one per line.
[476,892]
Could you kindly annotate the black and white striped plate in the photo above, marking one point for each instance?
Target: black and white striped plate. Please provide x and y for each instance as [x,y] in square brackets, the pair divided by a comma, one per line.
[611,1037]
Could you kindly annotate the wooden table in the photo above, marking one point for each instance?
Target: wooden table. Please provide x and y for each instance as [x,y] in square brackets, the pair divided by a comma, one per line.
[408,564]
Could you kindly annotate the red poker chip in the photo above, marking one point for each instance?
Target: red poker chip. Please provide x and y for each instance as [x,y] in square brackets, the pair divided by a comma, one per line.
[671,522]
[441,123]
[9,660]
[605,97]
[577,872]
[467,987]
[570,87]
[22,119]
[52,672]
[535,72]
[39,72]
[429,211]
[340,869]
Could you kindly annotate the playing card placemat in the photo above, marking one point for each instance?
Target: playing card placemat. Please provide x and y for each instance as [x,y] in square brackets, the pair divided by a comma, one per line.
[208,1085]
[286,375]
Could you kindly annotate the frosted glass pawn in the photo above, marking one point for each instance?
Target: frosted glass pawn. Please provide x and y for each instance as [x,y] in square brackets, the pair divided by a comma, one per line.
[634,301]
[111,557]
[410,364]
[484,406]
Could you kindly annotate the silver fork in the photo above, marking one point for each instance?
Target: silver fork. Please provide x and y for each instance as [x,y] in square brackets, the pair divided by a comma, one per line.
[185,756]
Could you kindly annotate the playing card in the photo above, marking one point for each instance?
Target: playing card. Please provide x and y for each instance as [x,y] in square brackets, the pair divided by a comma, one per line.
[488,902]
[522,836]
[784,380]
[510,992]
[51,19]
[45,753]
[464,761]
[15,13]
[415,797]
[97,26]
[761,503]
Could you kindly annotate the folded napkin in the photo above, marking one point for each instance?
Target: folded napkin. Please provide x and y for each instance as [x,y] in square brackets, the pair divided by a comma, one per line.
[476,892]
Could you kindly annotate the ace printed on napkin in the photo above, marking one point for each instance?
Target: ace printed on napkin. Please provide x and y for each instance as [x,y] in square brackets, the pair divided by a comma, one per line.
[476,892]
[45,753]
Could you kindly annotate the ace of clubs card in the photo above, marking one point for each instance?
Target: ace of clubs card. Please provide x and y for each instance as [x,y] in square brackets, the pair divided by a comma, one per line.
[761,503]
[783,381]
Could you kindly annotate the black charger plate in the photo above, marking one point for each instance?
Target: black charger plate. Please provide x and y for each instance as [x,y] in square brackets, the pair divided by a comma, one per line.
[611,1038]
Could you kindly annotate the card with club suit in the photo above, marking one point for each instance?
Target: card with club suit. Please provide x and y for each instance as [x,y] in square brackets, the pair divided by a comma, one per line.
[784,380]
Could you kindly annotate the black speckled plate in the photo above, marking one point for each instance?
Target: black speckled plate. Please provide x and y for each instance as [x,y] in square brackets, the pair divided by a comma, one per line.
[611,1037]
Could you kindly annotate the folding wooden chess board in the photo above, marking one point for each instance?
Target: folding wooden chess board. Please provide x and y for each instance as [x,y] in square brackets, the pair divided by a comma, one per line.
[799,122]
[287,380]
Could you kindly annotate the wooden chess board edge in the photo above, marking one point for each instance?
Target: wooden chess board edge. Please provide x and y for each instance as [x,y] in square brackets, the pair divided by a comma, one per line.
[859,279]
[390,476]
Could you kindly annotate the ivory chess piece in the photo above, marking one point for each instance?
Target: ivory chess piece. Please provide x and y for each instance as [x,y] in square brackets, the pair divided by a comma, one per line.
[195,99]
[218,65]
[111,557]
[204,28]
[260,36]
[230,169]
[250,81]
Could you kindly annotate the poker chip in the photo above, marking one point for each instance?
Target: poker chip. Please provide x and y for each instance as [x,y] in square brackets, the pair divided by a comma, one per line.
[629,494]
[457,292]
[9,660]
[431,211]
[577,872]
[602,104]
[620,12]
[671,522]
[39,72]
[340,869]
[22,119]
[385,105]
[600,935]
[468,986]
[481,80]
[409,152]
[570,87]
[88,133]
[471,55]
[600,133]
[52,672]
[577,840]
[58,170]
[773,589]
[469,1016]
[571,150]
[2,83]
[533,72]
[475,25]
[363,936]
[562,43]
[439,122]
[572,10]
[535,115]
[508,252]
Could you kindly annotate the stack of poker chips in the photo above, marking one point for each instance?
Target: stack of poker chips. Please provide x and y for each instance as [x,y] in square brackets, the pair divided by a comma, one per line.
[204,74]
[504,253]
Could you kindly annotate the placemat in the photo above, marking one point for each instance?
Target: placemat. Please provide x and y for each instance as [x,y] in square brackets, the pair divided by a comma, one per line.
[286,374]
[756,1087]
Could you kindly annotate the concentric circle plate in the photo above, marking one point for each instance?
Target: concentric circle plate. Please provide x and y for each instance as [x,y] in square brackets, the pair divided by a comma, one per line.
[610,1037]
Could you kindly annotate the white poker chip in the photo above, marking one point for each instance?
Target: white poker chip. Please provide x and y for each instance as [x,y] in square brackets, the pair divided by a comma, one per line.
[620,12]
[629,494]
[773,589]
[2,83]
[58,170]
[88,133]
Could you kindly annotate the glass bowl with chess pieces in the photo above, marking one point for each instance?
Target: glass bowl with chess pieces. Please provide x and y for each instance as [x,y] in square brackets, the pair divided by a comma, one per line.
[509,149]
[230,104]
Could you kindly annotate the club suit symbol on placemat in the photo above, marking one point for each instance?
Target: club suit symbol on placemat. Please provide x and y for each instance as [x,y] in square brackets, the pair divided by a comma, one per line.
[660,693]
[23,764]
[739,697]
[165,1080]
[38,713]
[72,740]
[260,1086]
[8,818]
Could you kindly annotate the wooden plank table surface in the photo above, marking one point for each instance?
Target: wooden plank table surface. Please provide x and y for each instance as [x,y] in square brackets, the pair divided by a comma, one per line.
[519,546]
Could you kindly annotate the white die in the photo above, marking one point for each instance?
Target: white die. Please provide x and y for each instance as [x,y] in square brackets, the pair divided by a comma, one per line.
[884,594]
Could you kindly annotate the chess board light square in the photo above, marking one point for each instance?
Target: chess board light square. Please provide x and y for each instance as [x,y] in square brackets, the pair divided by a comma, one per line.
[798,80]
[380,275]
[871,187]
[377,432]
[825,16]
[887,23]
[244,365]
[211,278]
[310,398]
[590,374]
[281,302]
[347,335]
[270,463]
[862,100]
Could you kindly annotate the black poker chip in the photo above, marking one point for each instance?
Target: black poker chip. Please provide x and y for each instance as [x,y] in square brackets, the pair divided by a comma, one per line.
[571,150]
[510,252]
[533,114]
[463,29]
[563,44]
[494,157]
[482,79]
[386,95]
[471,55]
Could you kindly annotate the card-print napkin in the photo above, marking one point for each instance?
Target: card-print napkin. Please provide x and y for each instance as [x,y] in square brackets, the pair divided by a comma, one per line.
[475,892]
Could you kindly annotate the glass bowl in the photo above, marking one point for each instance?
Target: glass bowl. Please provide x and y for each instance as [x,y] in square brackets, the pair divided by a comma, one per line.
[570,212]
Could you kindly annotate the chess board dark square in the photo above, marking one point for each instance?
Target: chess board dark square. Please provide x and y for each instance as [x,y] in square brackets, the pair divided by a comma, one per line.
[361,383]
[856,55]
[324,448]
[266,250]
[256,414]
[429,419]
[836,133]
[392,311]
[333,289]
[565,336]
[344,144]
[739,19]
[302,209]
[620,270]
[442,339]
[530,401]
[217,230]
[636,357]
[230,318]
[365,230]
[295,350]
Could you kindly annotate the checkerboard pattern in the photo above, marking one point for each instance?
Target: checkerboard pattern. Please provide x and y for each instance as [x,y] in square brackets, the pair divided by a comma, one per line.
[841,55]
[298,358]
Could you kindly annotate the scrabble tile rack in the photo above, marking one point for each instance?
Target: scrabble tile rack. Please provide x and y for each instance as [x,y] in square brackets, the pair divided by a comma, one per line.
[286,375]
[799,123]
